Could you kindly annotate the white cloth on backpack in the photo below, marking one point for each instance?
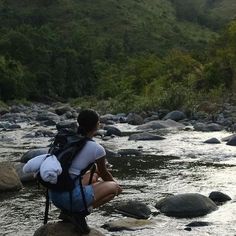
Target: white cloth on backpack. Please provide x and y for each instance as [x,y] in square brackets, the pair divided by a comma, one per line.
[50,169]
[48,166]
[33,165]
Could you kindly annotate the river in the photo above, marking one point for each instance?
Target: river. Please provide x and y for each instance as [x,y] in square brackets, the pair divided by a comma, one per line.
[181,163]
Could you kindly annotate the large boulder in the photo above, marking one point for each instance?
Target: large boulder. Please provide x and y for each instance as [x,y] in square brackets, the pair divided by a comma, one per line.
[29,177]
[9,179]
[62,229]
[63,109]
[186,205]
[145,137]
[207,127]
[161,124]
[129,224]
[49,118]
[232,141]
[134,209]
[15,117]
[111,130]
[33,153]
[212,141]
[67,124]
[134,119]
[219,197]
[175,115]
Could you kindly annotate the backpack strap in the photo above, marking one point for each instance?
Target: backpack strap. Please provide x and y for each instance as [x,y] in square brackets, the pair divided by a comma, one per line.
[45,220]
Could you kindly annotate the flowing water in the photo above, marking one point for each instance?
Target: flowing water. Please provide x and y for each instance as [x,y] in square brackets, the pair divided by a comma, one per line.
[181,163]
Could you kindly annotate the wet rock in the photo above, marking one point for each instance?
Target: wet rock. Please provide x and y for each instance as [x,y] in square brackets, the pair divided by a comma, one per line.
[63,109]
[207,127]
[151,118]
[33,153]
[145,137]
[49,118]
[9,126]
[15,117]
[198,224]
[111,130]
[188,229]
[62,229]
[212,141]
[186,205]
[6,139]
[44,133]
[175,115]
[134,119]
[219,197]
[226,139]
[134,209]
[127,224]
[107,118]
[67,124]
[9,179]
[129,152]
[162,124]
[23,177]
[232,141]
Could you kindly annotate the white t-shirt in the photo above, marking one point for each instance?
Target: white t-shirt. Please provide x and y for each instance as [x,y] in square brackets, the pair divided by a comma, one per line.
[89,154]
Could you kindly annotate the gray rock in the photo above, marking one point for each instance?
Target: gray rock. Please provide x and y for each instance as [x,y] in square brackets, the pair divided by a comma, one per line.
[63,110]
[134,209]
[134,119]
[145,137]
[232,141]
[226,139]
[44,133]
[212,141]
[110,153]
[198,224]
[4,110]
[33,153]
[15,117]
[111,130]
[6,139]
[67,124]
[207,127]
[186,205]
[129,224]
[49,118]
[151,118]
[9,179]
[107,118]
[62,229]
[162,124]
[175,115]
[219,197]
[23,177]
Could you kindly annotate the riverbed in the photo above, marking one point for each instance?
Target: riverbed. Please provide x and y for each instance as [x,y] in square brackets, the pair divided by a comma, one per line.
[181,163]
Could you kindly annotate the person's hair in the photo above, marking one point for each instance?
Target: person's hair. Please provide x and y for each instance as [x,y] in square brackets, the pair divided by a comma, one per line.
[87,120]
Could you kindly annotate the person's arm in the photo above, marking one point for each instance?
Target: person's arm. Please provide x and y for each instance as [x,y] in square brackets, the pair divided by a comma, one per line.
[102,169]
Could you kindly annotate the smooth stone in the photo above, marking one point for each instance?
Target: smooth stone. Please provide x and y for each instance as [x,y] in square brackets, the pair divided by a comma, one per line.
[186,205]
[212,141]
[63,110]
[161,124]
[151,118]
[145,137]
[198,224]
[106,118]
[67,124]
[111,130]
[24,178]
[9,179]
[134,209]
[130,224]
[219,197]
[175,115]
[207,127]
[226,139]
[134,119]
[62,229]
[33,153]
[232,141]
[110,153]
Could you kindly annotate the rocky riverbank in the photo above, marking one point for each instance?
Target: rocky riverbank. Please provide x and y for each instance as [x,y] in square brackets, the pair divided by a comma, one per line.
[26,131]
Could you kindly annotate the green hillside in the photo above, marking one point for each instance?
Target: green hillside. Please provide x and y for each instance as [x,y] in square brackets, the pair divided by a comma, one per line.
[72,48]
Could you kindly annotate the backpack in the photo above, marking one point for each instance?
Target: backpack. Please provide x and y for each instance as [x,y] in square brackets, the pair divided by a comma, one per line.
[65,146]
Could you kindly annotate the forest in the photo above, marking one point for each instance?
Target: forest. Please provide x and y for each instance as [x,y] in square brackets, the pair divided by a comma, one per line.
[129,55]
